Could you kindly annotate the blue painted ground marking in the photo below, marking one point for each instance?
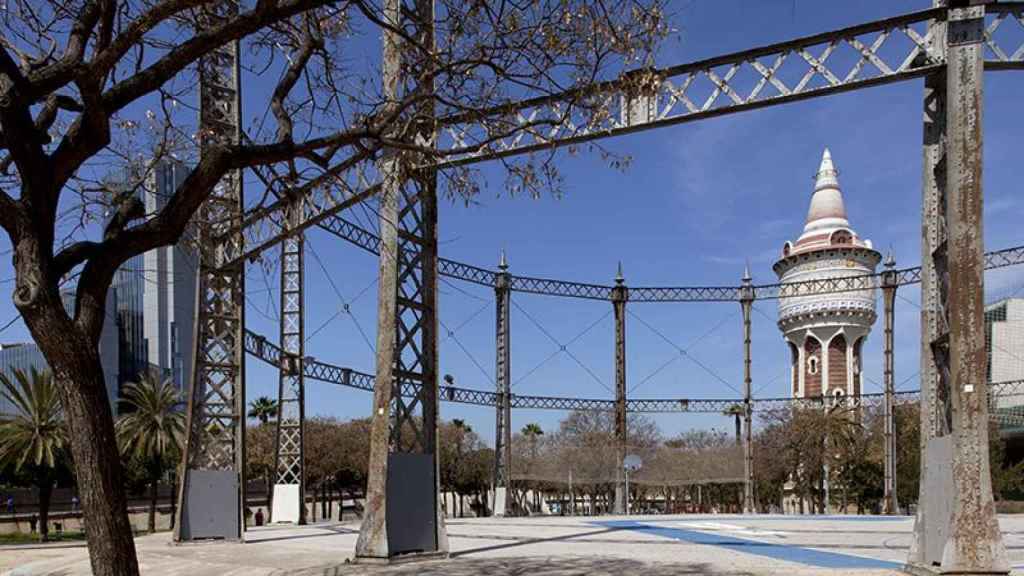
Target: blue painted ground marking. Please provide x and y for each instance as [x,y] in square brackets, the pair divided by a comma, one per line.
[842,518]
[798,554]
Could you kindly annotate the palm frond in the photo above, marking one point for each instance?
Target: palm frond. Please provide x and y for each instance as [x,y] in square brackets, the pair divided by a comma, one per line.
[153,425]
[35,433]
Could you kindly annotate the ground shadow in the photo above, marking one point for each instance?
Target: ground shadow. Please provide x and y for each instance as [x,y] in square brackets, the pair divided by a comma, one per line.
[537,566]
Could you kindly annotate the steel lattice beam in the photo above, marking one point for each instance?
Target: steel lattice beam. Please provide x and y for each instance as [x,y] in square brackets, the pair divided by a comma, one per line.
[403,435]
[370,242]
[883,52]
[887,51]
[261,348]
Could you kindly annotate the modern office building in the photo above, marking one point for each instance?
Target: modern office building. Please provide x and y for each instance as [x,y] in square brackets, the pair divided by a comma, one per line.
[26,356]
[168,286]
[155,291]
[151,304]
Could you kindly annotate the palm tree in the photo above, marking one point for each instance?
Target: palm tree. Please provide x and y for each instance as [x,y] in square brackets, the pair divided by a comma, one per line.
[736,411]
[152,429]
[263,409]
[33,438]
[533,431]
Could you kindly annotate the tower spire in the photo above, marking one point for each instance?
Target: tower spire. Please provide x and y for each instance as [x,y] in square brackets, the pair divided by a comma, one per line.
[827,210]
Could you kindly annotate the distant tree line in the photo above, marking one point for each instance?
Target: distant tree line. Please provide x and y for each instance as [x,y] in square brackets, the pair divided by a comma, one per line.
[572,468]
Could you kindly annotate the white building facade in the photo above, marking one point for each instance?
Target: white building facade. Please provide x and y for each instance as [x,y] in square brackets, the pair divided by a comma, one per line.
[826,332]
[1004,339]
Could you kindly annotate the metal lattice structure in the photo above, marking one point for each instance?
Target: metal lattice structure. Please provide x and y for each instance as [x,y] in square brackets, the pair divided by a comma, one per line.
[261,348]
[213,464]
[502,501]
[886,51]
[370,242]
[289,453]
[619,297]
[407,319]
[948,46]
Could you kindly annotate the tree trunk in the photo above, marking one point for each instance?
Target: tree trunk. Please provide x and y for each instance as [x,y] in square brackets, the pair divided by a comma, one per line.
[325,510]
[174,498]
[75,364]
[45,490]
[314,503]
[153,486]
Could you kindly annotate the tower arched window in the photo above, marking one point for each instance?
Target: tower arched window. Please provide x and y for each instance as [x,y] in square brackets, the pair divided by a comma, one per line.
[841,237]
[812,365]
[837,396]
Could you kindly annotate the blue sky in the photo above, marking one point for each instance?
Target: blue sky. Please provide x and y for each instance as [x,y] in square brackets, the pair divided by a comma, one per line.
[698,201]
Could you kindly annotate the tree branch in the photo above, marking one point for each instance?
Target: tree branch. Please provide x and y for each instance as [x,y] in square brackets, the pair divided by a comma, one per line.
[53,77]
[204,42]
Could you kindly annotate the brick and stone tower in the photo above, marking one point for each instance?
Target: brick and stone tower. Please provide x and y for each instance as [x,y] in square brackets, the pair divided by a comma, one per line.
[826,332]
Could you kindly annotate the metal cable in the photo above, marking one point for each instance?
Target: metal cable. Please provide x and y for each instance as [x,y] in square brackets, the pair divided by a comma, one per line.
[561,347]
[684,352]
[692,343]
[337,292]
[451,334]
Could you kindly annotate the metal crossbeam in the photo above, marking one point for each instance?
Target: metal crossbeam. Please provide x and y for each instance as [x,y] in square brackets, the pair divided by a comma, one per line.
[370,242]
[1004,49]
[882,52]
[870,54]
[1002,393]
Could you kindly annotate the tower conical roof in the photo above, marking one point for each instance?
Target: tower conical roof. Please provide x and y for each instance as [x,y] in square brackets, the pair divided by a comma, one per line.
[827,211]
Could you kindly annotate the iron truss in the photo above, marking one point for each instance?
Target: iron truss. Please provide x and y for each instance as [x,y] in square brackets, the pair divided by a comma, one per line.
[370,242]
[267,351]
[872,54]
[881,52]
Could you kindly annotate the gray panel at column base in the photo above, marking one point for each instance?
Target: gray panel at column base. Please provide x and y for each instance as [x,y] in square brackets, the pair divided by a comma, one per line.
[500,494]
[210,510]
[937,507]
[411,504]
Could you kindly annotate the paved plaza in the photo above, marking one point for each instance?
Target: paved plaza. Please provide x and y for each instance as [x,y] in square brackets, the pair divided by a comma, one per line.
[548,546]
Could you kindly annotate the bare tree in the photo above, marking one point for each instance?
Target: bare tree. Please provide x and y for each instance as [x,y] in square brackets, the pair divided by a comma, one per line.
[91,88]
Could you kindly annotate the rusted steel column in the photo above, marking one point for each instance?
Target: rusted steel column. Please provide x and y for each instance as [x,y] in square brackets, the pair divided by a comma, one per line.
[975,543]
[501,497]
[288,497]
[889,502]
[406,322]
[373,537]
[932,519]
[956,529]
[619,296]
[746,303]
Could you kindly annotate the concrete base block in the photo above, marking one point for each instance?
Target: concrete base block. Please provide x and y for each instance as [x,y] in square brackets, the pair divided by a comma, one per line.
[401,558]
[499,501]
[286,503]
